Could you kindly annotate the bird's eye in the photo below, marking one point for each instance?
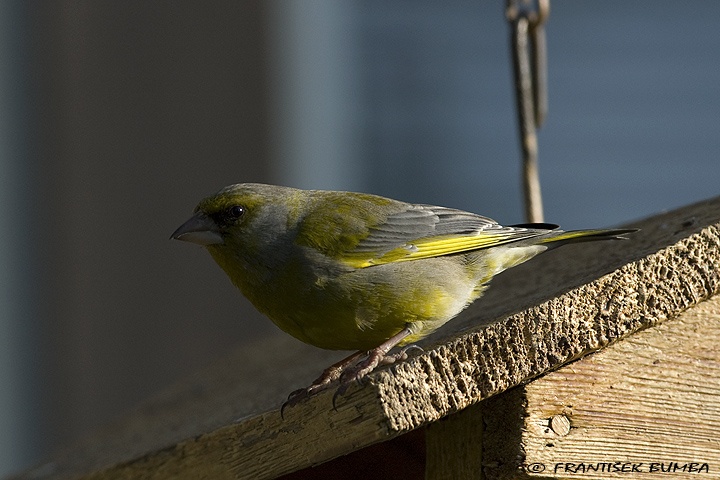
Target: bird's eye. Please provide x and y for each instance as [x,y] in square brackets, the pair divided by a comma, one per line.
[235,212]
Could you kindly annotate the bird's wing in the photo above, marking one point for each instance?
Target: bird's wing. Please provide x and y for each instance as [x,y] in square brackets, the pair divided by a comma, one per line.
[424,231]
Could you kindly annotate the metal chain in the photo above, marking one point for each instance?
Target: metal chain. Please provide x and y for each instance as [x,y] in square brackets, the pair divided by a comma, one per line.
[527,19]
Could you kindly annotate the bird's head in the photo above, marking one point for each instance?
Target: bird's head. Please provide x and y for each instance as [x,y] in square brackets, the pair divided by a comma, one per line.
[241,218]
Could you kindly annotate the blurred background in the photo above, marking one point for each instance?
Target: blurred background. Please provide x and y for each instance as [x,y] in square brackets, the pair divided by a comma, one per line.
[117,117]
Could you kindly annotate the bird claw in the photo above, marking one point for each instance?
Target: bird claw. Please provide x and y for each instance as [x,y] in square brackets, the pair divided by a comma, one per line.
[399,356]
[357,373]
[297,396]
[328,376]
[350,370]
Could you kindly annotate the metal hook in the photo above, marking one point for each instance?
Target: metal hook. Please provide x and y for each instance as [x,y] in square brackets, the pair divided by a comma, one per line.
[534,46]
[527,19]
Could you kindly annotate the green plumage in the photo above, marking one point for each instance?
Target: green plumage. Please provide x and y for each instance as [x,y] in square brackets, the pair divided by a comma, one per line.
[342,270]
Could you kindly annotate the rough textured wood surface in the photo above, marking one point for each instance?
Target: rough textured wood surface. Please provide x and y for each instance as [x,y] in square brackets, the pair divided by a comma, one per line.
[644,407]
[585,297]
[505,353]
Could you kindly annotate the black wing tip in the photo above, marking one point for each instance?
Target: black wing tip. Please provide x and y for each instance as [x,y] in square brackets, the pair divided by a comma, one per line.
[619,233]
[536,226]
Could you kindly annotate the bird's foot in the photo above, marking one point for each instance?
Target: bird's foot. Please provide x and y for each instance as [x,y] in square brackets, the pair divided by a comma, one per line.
[375,358]
[328,376]
[349,370]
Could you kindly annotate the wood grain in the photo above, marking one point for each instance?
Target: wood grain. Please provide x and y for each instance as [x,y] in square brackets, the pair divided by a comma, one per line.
[649,403]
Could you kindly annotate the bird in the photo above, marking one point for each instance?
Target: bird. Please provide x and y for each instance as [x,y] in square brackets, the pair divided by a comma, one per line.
[356,271]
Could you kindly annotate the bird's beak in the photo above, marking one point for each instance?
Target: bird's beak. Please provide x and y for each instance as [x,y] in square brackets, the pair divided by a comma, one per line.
[200,229]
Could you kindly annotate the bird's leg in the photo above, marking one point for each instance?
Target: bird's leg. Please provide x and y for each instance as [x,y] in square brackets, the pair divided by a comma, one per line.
[376,356]
[329,375]
[347,373]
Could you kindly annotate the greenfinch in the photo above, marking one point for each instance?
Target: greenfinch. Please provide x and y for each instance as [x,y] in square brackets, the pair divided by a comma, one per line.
[354,271]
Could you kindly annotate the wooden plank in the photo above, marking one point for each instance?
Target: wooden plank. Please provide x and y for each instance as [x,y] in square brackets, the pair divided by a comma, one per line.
[536,317]
[646,406]
[454,446]
[486,361]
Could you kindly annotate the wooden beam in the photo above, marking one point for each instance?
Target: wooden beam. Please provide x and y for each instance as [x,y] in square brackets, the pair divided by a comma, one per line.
[646,406]
[535,318]
[652,398]
[454,446]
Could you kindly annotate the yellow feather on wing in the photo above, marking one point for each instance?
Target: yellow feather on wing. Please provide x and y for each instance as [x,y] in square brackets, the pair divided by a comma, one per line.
[423,231]
[432,247]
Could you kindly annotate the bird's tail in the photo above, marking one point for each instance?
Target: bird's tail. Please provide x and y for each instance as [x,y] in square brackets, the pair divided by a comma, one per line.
[573,236]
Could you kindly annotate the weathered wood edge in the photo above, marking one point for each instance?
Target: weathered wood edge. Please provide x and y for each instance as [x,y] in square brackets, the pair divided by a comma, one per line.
[494,358]
[679,265]
[502,355]
[652,398]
